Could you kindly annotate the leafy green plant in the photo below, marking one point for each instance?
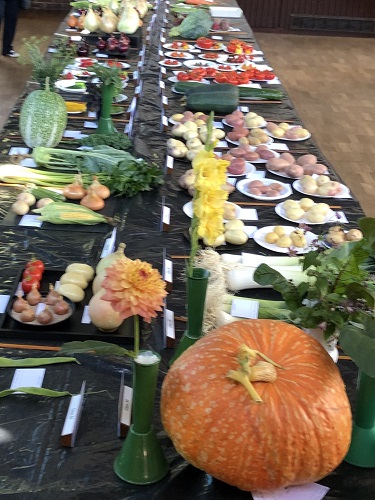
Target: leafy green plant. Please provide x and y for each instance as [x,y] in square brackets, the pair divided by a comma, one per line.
[342,292]
[108,76]
[51,64]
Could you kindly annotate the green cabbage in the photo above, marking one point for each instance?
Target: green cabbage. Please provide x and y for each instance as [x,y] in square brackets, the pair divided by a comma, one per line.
[197,23]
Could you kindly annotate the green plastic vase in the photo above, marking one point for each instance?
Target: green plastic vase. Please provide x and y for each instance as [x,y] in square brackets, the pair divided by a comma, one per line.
[196,298]
[362,447]
[105,123]
[141,459]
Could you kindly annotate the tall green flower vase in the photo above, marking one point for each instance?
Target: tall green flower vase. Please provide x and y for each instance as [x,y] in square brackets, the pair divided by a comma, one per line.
[362,447]
[196,298]
[142,460]
[105,123]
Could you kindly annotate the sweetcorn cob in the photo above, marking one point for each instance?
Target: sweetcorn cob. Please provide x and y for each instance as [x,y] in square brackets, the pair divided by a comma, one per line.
[69,213]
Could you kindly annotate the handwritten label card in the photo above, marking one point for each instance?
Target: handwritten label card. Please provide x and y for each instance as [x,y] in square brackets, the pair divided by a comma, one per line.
[73,416]
[168,273]
[169,329]
[311,491]
[124,408]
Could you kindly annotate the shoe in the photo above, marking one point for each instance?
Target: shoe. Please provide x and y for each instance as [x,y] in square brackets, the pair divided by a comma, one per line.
[12,53]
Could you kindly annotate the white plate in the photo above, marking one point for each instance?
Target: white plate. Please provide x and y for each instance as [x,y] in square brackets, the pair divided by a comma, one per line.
[205,58]
[120,98]
[270,141]
[65,85]
[222,47]
[292,140]
[345,193]
[242,188]
[196,63]
[185,55]
[244,126]
[260,160]
[303,220]
[169,46]
[174,79]
[249,169]
[224,60]
[262,67]
[259,237]
[124,65]
[170,66]
[188,209]
[79,73]
[79,60]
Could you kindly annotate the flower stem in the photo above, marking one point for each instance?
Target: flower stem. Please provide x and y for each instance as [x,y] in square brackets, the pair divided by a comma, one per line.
[136,335]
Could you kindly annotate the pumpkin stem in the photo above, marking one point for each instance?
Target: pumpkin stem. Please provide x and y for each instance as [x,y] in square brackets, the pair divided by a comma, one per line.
[252,353]
[250,371]
[243,378]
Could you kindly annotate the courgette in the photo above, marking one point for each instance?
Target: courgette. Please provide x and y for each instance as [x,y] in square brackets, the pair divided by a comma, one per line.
[244,92]
[221,98]
[40,193]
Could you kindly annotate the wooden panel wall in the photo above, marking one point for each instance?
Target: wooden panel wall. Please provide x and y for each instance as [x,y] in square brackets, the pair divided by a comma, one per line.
[275,14]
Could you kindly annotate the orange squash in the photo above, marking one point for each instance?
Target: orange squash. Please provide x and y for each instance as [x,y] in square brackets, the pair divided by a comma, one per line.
[294,428]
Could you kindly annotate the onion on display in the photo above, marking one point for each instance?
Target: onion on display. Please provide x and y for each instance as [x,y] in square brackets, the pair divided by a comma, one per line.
[100,189]
[91,22]
[74,191]
[92,201]
[34,296]
[20,304]
[108,21]
[129,21]
[52,296]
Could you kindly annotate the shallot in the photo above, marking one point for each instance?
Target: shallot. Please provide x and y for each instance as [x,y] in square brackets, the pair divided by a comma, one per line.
[20,304]
[34,296]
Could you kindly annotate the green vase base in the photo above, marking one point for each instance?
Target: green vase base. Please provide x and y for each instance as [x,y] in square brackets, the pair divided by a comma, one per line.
[141,460]
[185,342]
[105,126]
[362,447]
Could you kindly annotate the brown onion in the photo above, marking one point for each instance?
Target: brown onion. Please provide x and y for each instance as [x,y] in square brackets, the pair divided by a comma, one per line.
[102,191]
[27,315]
[52,296]
[92,201]
[74,191]
[34,296]
[61,307]
[45,317]
[20,304]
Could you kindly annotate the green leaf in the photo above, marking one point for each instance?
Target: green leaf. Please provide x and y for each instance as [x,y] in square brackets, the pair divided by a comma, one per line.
[17,363]
[357,291]
[360,346]
[95,347]
[36,391]
[367,226]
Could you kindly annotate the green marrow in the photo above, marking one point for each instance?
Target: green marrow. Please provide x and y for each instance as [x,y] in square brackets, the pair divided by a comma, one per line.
[221,99]
[244,92]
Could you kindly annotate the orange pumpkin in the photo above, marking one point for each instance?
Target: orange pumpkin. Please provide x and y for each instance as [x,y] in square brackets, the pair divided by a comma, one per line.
[300,431]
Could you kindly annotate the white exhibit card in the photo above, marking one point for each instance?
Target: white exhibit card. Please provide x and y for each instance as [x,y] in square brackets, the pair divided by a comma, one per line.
[4,299]
[18,151]
[248,214]
[312,491]
[28,377]
[250,230]
[30,221]
[244,308]
[73,416]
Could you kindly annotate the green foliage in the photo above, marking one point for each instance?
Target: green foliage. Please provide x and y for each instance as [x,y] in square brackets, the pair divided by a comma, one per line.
[116,140]
[95,347]
[358,342]
[51,64]
[35,391]
[341,290]
[109,76]
[197,23]
[18,363]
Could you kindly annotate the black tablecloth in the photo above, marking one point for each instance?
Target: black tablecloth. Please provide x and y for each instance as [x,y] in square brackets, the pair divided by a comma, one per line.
[32,463]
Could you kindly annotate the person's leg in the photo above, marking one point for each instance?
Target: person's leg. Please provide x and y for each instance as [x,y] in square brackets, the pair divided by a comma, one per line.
[10,23]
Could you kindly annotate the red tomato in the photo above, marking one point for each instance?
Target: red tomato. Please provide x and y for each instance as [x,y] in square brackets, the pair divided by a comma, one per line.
[27,284]
[183,77]
[211,72]
[35,263]
[204,43]
[221,77]
[33,272]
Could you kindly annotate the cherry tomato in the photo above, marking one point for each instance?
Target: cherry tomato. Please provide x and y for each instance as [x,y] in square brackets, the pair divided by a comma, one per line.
[211,72]
[27,284]
[183,77]
[35,263]
[33,272]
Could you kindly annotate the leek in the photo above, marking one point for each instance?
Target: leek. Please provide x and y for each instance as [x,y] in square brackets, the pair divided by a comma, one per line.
[242,278]
[268,309]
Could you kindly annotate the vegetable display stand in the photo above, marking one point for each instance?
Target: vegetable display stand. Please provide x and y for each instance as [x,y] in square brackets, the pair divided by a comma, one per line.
[196,297]
[105,123]
[142,460]
[362,446]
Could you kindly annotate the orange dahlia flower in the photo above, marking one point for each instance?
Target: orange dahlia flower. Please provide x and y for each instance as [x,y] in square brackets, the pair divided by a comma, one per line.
[134,287]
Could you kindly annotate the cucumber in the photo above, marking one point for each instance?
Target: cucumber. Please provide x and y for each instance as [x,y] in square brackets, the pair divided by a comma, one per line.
[221,98]
[261,94]
[40,193]
[244,92]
